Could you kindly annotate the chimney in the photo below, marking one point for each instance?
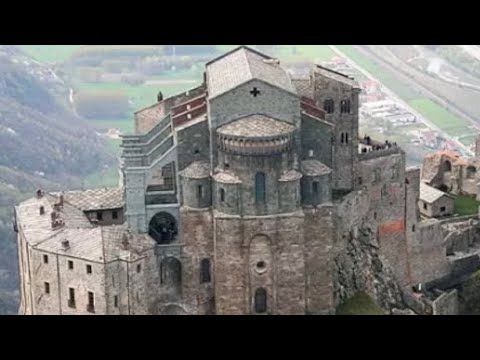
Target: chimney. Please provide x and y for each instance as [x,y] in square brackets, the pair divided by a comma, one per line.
[39,193]
[125,242]
[42,210]
[65,245]
[61,201]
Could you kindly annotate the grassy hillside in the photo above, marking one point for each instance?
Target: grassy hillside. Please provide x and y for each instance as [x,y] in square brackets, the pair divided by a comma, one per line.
[360,304]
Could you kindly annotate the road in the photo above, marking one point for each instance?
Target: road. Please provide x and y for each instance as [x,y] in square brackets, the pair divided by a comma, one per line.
[396,98]
[472,50]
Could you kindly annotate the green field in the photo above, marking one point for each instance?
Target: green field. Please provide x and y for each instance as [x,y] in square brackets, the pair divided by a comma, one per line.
[360,304]
[445,120]
[50,53]
[390,81]
[465,205]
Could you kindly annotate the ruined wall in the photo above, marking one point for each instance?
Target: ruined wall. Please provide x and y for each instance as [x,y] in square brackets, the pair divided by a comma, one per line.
[384,179]
[446,304]
[428,259]
[359,263]
[469,296]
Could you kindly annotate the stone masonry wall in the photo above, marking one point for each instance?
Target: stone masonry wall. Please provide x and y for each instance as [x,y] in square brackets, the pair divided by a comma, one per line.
[237,279]
[198,245]
[319,266]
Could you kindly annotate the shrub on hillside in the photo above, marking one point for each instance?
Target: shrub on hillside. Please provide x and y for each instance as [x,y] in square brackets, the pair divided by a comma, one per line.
[102,104]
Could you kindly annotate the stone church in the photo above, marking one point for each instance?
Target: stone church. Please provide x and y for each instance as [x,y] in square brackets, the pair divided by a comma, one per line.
[249,194]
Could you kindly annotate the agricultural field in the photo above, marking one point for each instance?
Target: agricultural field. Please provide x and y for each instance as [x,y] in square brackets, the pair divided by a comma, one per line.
[390,81]
[465,205]
[50,53]
[437,114]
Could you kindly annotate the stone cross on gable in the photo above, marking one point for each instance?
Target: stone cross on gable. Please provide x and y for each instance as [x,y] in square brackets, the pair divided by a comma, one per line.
[255,92]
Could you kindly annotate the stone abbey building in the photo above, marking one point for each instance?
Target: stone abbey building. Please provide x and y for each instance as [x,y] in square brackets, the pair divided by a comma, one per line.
[249,194]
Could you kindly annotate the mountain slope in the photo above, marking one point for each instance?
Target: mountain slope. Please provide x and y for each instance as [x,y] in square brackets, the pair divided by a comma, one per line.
[43,144]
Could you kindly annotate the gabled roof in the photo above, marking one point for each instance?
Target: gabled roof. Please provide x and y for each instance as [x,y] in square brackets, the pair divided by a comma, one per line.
[242,65]
[335,75]
[429,194]
[95,199]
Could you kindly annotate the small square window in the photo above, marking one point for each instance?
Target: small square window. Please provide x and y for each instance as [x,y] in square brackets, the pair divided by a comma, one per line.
[70,265]
[443,209]
[99,216]
[89,269]
[45,259]
[424,206]
[114,215]
[47,288]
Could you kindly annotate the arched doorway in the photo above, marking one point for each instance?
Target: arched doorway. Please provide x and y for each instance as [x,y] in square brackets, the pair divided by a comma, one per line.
[471,172]
[447,166]
[163,228]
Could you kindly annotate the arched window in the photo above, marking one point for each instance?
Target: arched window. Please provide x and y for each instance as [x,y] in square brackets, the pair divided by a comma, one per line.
[329,106]
[315,187]
[342,138]
[261,301]
[471,171]
[346,138]
[163,228]
[447,166]
[260,187]
[222,195]
[345,106]
[205,275]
